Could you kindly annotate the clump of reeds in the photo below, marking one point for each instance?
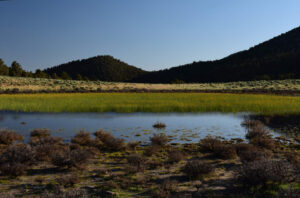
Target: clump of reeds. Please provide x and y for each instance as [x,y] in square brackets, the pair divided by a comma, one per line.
[159,125]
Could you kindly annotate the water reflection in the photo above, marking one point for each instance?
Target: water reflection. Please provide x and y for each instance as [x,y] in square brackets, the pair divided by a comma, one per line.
[181,127]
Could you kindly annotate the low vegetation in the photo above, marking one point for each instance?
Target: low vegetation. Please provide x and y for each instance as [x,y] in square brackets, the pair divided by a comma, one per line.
[102,165]
[154,102]
[45,85]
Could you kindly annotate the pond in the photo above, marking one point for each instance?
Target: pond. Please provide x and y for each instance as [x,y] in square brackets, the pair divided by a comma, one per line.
[181,127]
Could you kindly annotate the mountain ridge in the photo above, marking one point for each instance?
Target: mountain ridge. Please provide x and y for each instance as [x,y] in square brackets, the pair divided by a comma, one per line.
[276,58]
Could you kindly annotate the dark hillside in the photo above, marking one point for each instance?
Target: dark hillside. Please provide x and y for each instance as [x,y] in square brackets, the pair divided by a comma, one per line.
[278,58]
[105,68]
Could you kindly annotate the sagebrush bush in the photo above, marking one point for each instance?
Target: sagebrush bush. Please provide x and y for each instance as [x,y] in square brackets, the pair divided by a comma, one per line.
[210,144]
[175,156]
[261,172]
[16,159]
[83,139]
[67,158]
[109,142]
[159,125]
[159,140]
[293,158]
[40,133]
[196,168]
[136,160]
[8,137]
[249,123]
[225,152]
[257,131]
[263,142]
[250,153]
[45,147]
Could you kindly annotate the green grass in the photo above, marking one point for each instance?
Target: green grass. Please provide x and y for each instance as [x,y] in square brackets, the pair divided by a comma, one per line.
[151,102]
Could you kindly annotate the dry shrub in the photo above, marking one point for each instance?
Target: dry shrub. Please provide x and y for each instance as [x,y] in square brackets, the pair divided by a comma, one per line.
[45,147]
[263,142]
[294,159]
[258,130]
[250,153]
[210,144]
[159,125]
[16,159]
[175,156]
[197,168]
[8,137]
[151,150]
[67,158]
[226,152]
[159,140]
[109,142]
[216,146]
[68,180]
[133,145]
[264,171]
[83,139]
[248,123]
[40,133]
[136,160]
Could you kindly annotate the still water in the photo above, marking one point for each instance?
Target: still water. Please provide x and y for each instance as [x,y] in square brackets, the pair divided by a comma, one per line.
[181,127]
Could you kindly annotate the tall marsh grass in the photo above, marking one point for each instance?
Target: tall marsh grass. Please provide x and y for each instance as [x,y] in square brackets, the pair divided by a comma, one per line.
[151,102]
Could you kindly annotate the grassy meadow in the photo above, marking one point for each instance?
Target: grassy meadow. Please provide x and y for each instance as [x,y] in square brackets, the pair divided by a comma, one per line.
[150,102]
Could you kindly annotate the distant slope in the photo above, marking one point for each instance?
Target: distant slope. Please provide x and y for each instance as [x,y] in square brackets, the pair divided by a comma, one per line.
[104,68]
[278,58]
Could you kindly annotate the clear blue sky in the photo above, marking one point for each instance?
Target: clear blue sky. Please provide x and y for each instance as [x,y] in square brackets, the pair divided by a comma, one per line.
[151,34]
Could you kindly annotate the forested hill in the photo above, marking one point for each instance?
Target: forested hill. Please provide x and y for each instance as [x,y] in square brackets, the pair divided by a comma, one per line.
[105,68]
[278,58]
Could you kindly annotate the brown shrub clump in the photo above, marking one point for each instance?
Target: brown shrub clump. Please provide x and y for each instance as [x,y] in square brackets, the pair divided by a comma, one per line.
[197,168]
[159,125]
[16,159]
[83,139]
[45,147]
[159,140]
[136,160]
[250,153]
[40,133]
[8,137]
[175,156]
[109,142]
[258,130]
[263,142]
[216,146]
[248,123]
[226,152]
[210,144]
[264,171]
[67,158]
